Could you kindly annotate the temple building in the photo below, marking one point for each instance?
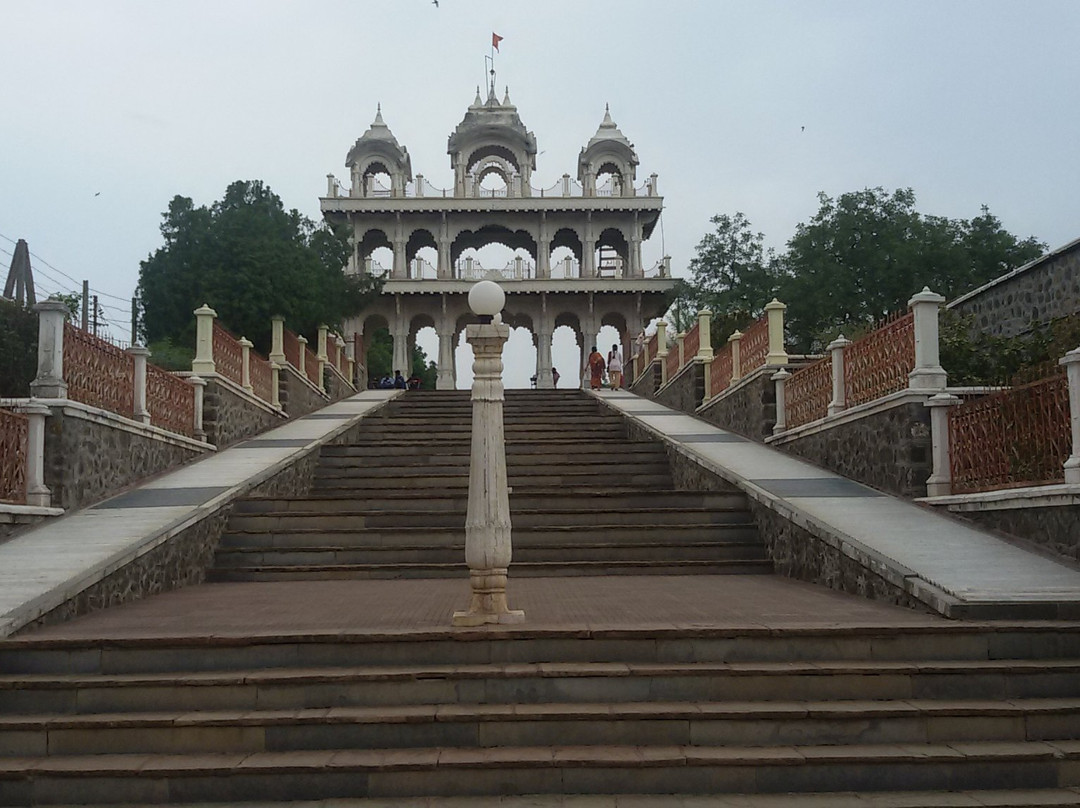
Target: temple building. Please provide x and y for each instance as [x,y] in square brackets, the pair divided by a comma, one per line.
[594,226]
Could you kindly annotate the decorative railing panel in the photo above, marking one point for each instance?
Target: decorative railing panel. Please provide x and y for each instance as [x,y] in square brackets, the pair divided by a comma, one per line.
[171,401]
[290,346]
[1012,438]
[692,342]
[879,363]
[228,355]
[720,370]
[754,346]
[808,392]
[672,366]
[566,268]
[97,373]
[262,377]
[332,351]
[652,347]
[311,367]
[14,431]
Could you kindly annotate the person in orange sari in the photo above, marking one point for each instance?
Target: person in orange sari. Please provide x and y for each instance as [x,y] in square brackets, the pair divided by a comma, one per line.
[596,369]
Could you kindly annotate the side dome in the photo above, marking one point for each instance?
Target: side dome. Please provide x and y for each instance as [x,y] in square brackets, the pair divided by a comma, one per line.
[609,152]
[377,151]
[491,138]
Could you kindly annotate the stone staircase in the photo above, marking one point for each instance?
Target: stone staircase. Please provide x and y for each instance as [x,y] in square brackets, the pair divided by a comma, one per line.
[586,501]
[891,716]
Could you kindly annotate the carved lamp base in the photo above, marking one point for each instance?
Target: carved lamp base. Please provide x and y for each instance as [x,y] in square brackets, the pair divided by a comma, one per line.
[488,604]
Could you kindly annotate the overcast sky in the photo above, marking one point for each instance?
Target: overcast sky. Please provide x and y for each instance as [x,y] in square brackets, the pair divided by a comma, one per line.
[112,108]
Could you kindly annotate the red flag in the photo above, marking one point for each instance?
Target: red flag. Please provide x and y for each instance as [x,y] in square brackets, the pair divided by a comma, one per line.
[495,40]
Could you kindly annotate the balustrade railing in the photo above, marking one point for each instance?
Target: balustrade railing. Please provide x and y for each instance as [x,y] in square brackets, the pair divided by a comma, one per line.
[98,373]
[291,347]
[808,393]
[261,376]
[879,363]
[754,346]
[692,342]
[228,354]
[422,269]
[171,401]
[14,433]
[332,351]
[1011,438]
[721,369]
[566,268]
[672,366]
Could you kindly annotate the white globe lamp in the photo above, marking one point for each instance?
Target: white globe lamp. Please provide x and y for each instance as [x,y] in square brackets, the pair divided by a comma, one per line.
[486,299]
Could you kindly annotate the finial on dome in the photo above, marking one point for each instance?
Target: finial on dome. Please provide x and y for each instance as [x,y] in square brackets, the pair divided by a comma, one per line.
[378,115]
[607,116]
[506,96]
[478,102]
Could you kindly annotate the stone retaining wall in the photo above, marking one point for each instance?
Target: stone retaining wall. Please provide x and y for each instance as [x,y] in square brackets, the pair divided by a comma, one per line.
[90,455]
[646,384]
[1054,528]
[748,407]
[1042,291]
[230,416]
[887,449]
[298,396]
[686,390]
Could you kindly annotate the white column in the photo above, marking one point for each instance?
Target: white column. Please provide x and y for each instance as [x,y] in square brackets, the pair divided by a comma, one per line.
[780,379]
[839,391]
[275,380]
[444,378]
[37,493]
[204,340]
[928,373]
[140,355]
[245,365]
[544,379]
[277,340]
[322,357]
[736,360]
[705,351]
[50,372]
[488,549]
[1071,360]
[939,483]
[775,311]
[199,385]
[302,340]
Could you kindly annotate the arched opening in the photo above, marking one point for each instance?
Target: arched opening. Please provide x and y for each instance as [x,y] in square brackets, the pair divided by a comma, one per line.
[374,253]
[422,255]
[565,258]
[425,356]
[612,254]
[494,252]
[609,180]
[567,351]
[376,180]
[376,350]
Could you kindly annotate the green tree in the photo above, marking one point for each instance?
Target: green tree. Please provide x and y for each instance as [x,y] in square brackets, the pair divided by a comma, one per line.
[249,258]
[18,349]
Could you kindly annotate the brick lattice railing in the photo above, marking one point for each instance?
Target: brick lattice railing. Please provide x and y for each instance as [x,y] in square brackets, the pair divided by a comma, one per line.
[879,363]
[291,348]
[720,370]
[332,351]
[1011,438]
[171,401]
[692,342]
[754,346]
[672,365]
[261,376]
[14,430]
[808,392]
[98,373]
[228,354]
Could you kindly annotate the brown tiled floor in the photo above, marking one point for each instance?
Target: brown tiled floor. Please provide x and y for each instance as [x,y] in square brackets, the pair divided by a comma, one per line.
[683,601]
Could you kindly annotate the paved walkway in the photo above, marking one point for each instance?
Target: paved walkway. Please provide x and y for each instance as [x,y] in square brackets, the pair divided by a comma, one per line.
[42,568]
[967,563]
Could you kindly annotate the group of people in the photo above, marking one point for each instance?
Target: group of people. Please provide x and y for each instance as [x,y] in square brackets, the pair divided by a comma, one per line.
[613,365]
[399,382]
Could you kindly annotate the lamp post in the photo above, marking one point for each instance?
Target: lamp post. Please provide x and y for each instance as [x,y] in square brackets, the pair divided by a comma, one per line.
[487,520]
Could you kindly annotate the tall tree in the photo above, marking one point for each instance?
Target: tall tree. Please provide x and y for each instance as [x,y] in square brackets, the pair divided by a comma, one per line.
[250,259]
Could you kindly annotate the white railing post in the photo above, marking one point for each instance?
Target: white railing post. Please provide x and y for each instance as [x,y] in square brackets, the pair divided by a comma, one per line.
[839,391]
[50,373]
[204,340]
[680,338]
[340,353]
[37,493]
[200,388]
[939,483]
[245,365]
[1071,360]
[277,339]
[775,311]
[736,361]
[419,185]
[704,351]
[140,355]
[662,350]
[275,393]
[321,356]
[300,338]
[780,379]
[928,373]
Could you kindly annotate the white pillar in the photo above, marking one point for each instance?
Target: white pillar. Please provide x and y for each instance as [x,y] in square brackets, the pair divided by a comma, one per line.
[444,379]
[277,340]
[204,340]
[705,351]
[488,548]
[780,379]
[544,379]
[302,340]
[939,483]
[322,357]
[37,493]
[50,373]
[775,312]
[839,391]
[199,385]
[736,359]
[140,355]
[245,365]
[1071,360]
[928,373]
[275,381]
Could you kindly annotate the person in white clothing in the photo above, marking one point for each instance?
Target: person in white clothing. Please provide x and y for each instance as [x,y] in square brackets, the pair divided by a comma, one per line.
[614,366]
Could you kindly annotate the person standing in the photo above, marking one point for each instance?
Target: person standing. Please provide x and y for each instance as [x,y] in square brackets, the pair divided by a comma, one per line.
[614,366]
[596,369]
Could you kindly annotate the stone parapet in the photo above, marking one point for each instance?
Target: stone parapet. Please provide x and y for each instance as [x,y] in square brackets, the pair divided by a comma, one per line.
[685,390]
[230,414]
[297,394]
[748,406]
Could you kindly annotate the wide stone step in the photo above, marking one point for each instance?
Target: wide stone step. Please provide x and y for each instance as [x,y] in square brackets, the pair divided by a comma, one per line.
[573,769]
[371,449]
[235,555]
[535,478]
[534,569]
[283,688]
[600,458]
[467,726]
